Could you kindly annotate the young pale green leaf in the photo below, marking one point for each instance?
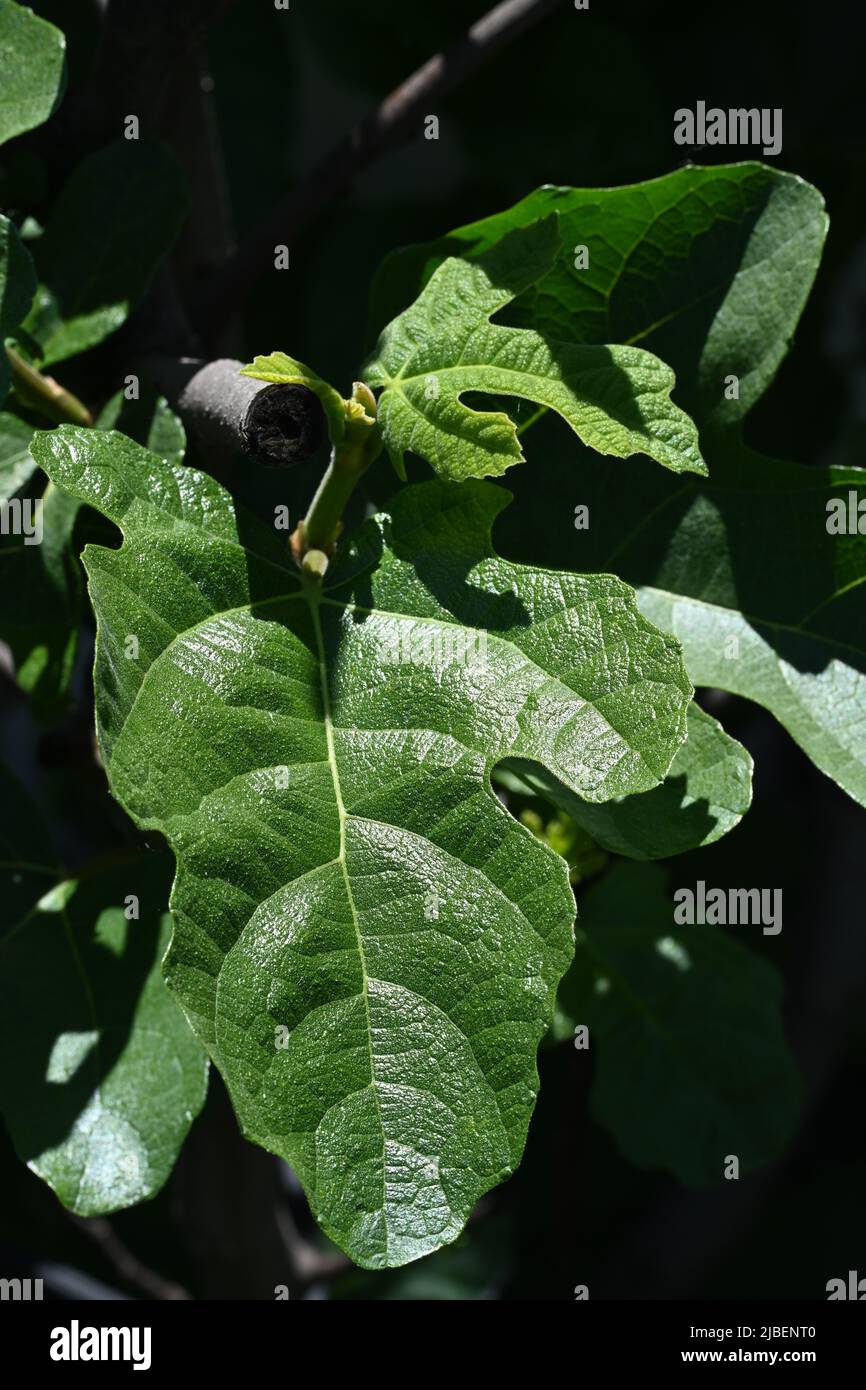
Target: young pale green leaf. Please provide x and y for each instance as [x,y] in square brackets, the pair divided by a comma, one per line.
[616,399]
[767,603]
[366,941]
[101,1075]
[32,69]
[709,268]
[706,793]
[17,288]
[113,223]
[685,1023]
[286,371]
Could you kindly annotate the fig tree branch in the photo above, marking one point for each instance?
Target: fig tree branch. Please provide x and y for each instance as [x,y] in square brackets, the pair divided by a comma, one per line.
[392,122]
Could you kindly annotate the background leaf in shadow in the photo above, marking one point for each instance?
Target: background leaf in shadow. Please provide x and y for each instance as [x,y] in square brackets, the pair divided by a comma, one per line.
[101,1076]
[685,1028]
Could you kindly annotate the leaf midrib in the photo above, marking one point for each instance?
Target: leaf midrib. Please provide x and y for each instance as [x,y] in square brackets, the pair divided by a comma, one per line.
[341,857]
[398,382]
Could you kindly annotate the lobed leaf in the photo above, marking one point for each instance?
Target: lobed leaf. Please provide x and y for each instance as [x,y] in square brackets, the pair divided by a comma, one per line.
[366,942]
[710,268]
[616,399]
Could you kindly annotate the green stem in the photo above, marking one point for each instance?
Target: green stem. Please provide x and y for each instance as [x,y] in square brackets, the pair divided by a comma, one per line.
[530,421]
[314,539]
[45,394]
[322,522]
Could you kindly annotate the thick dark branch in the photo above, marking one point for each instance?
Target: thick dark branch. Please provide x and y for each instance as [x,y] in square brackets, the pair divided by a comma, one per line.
[395,120]
[229,414]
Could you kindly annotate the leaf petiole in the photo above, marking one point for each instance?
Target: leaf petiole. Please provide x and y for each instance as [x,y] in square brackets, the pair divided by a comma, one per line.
[351,456]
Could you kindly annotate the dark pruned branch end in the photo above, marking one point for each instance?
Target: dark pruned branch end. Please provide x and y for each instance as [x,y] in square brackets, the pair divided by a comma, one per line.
[283,426]
[227,414]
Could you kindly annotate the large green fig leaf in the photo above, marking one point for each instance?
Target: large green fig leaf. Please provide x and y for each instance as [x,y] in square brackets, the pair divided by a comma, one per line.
[708,267]
[32,69]
[685,1025]
[100,1075]
[366,941]
[617,399]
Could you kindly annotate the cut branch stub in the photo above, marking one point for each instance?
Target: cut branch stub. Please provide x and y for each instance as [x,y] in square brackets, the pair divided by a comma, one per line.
[284,425]
[229,414]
